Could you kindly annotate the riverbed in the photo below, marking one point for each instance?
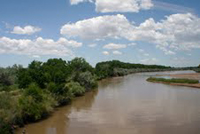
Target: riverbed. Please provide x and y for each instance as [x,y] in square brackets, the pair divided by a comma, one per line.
[127,105]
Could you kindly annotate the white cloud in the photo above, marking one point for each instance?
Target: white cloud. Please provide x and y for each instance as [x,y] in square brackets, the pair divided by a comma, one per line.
[92,45]
[117,52]
[176,32]
[105,53]
[75,2]
[38,47]
[149,61]
[132,44]
[114,46]
[25,30]
[109,26]
[106,6]
[36,56]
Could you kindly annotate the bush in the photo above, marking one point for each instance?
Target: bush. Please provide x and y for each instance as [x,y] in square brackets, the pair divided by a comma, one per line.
[61,94]
[75,88]
[87,80]
[10,113]
[35,103]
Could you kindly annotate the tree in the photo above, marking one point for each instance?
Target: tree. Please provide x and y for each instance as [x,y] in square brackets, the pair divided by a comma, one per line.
[24,79]
[5,79]
[80,65]
[56,70]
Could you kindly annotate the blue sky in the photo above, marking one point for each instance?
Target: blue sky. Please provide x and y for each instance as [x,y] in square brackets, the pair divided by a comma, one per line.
[163,32]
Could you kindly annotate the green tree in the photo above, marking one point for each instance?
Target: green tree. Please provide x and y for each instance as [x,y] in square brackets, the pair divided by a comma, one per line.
[5,79]
[56,70]
[80,65]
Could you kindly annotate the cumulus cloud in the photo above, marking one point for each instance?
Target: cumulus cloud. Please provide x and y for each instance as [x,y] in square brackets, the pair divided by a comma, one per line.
[38,47]
[109,26]
[105,6]
[114,46]
[116,52]
[176,32]
[25,30]
[105,53]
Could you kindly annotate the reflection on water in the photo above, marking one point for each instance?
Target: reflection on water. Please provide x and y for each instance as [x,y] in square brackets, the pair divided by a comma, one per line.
[127,105]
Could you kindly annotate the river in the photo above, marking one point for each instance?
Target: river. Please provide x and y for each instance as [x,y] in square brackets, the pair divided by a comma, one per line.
[127,105]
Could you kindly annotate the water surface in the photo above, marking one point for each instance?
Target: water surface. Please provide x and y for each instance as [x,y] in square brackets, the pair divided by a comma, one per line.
[127,105]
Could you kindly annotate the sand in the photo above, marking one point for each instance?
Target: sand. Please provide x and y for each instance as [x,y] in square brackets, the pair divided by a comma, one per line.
[194,76]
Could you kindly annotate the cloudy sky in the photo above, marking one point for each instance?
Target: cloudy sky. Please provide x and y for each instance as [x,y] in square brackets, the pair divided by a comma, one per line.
[163,32]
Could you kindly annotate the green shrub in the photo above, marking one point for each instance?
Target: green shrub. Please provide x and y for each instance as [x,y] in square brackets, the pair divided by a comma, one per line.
[75,88]
[61,94]
[10,113]
[87,80]
[35,103]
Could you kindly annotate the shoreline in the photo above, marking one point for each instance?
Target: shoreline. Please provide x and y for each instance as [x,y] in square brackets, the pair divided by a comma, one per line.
[178,84]
[190,76]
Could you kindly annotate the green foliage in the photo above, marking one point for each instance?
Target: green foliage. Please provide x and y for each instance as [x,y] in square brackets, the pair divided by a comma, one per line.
[173,80]
[60,92]
[35,103]
[117,68]
[24,79]
[80,65]
[75,88]
[87,80]
[32,74]
[9,112]
[5,79]
[42,87]
[56,70]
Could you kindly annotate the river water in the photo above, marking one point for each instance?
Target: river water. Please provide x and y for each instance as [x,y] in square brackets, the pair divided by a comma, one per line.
[127,105]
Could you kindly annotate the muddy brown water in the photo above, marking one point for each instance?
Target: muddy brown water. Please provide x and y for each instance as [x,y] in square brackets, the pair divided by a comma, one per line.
[127,105]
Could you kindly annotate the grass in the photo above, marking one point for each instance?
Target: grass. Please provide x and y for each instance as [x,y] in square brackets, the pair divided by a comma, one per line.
[173,80]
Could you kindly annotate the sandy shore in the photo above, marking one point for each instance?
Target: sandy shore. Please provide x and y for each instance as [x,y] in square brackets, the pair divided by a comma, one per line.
[194,76]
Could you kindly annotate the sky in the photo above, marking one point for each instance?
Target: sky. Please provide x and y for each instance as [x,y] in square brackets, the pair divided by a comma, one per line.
[165,32]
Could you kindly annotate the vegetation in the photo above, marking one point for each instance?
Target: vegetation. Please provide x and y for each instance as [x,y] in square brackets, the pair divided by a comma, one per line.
[173,80]
[117,68]
[30,94]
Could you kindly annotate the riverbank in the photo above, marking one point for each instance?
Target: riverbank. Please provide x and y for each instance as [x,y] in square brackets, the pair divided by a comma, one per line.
[189,80]
[43,86]
[107,110]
